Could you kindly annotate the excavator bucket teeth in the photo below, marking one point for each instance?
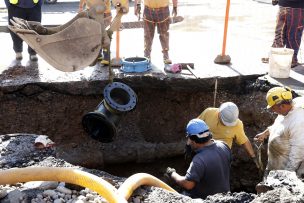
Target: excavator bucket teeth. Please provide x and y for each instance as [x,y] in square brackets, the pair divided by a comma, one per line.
[74,48]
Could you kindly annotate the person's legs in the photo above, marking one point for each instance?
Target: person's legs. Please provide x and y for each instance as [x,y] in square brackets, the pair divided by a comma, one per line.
[149,30]
[14,11]
[106,52]
[163,31]
[294,26]
[164,40]
[33,14]
[280,30]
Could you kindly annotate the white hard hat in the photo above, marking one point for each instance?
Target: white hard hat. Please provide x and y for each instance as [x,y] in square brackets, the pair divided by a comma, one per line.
[229,113]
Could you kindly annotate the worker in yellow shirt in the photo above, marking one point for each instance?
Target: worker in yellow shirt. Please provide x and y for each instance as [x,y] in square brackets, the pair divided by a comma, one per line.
[225,125]
[105,55]
[156,14]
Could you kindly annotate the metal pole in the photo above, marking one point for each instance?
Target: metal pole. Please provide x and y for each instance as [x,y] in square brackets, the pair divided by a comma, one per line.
[215,92]
[226,27]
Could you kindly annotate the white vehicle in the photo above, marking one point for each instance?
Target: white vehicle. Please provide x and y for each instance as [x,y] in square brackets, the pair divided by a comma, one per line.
[50,1]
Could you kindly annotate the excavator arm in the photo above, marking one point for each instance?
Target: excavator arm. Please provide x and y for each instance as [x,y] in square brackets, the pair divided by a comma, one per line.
[75,44]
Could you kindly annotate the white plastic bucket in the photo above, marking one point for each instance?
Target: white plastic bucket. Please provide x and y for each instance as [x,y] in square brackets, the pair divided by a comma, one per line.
[280,62]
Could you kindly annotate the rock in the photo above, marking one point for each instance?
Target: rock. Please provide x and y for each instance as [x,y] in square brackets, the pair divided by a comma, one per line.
[58,201]
[64,190]
[281,186]
[81,197]
[16,196]
[49,193]
[284,186]
[136,200]
[3,193]
[43,185]
[79,201]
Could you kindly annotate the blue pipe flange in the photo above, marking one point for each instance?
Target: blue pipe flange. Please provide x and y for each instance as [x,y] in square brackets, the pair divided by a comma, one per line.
[135,65]
[119,97]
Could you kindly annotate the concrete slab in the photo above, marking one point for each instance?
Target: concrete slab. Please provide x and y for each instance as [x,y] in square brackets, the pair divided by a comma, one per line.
[198,40]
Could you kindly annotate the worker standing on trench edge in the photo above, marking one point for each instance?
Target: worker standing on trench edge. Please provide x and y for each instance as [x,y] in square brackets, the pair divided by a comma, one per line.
[105,55]
[209,170]
[156,14]
[28,10]
[286,134]
[225,125]
[289,27]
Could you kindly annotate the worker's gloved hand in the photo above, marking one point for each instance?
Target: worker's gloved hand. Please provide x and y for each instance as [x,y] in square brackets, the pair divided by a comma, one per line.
[275,2]
[188,153]
[167,176]
[169,172]
[174,11]
[260,137]
[255,160]
[137,9]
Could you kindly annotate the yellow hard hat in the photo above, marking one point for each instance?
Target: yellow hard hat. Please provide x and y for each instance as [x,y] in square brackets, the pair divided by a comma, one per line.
[278,94]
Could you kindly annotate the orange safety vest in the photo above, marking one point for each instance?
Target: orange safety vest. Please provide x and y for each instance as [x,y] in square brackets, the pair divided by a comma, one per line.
[16,1]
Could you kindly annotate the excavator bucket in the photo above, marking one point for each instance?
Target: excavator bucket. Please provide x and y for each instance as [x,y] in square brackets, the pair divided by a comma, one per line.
[71,49]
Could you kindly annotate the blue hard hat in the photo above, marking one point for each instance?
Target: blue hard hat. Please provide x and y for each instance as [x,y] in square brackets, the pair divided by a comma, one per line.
[196,126]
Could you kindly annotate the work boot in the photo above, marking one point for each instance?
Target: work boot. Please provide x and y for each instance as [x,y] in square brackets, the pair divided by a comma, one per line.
[19,56]
[17,61]
[149,58]
[100,56]
[294,63]
[33,58]
[166,58]
[265,60]
[167,61]
[106,57]
[33,61]
[105,62]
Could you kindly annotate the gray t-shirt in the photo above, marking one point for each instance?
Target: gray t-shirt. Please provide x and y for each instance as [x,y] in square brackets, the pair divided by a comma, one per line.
[210,170]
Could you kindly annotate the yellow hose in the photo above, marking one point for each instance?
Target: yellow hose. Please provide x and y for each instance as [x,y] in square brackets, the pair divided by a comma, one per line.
[78,177]
[69,175]
[139,179]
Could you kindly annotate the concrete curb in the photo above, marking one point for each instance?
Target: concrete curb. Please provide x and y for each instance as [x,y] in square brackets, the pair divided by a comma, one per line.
[3,28]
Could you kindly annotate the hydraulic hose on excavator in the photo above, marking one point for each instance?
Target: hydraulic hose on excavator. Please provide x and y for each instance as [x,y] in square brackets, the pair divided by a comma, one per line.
[78,177]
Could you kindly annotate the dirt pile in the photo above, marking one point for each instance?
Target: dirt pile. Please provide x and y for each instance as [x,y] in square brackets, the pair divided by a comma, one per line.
[18,150]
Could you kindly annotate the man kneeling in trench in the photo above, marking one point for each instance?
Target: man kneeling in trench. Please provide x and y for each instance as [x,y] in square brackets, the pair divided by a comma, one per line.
[286,134]
[209,171]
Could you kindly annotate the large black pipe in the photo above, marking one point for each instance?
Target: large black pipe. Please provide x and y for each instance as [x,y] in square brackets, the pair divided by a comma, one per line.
[101,124]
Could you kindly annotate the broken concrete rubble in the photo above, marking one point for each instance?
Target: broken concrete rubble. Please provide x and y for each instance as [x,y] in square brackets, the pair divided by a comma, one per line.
[282,186]
[285,185]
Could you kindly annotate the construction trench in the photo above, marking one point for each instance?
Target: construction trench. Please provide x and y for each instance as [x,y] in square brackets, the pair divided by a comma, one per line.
[149,137]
